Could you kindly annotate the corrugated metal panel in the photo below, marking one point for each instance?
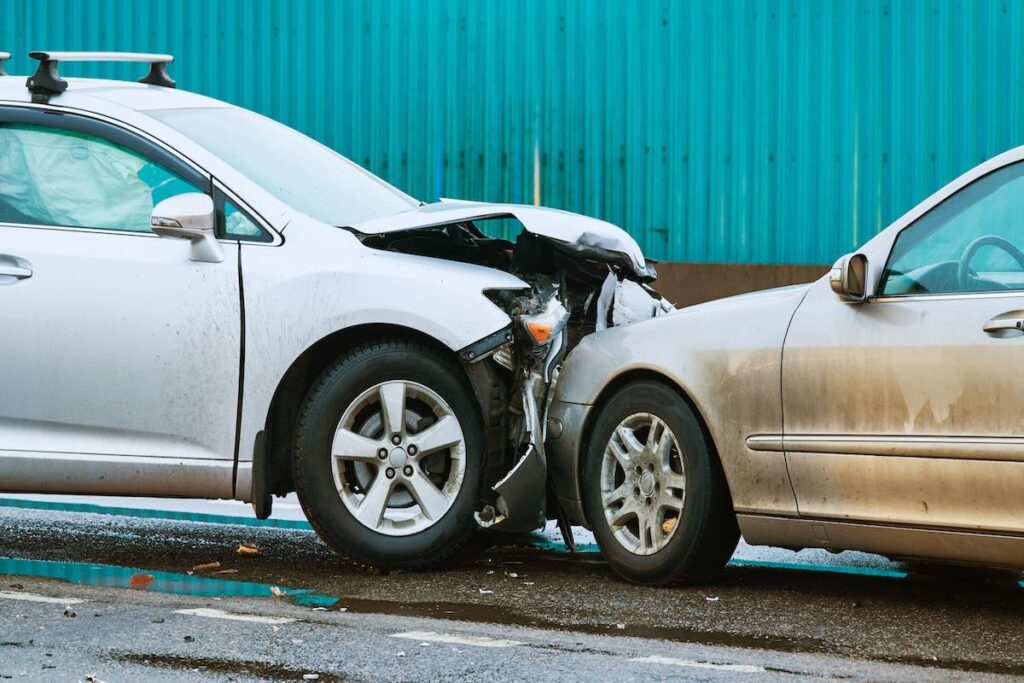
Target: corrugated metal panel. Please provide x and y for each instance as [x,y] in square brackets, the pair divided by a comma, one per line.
[736,131]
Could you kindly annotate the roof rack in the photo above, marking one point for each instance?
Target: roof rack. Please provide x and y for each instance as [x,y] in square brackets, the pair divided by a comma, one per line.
[46,81]
[4,56]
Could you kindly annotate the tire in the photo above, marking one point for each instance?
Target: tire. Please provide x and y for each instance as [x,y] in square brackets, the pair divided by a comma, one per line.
[407,526]
[667,528]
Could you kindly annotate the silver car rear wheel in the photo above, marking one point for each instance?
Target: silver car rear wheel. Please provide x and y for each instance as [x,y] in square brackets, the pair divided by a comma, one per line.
[643,484]
[398,458]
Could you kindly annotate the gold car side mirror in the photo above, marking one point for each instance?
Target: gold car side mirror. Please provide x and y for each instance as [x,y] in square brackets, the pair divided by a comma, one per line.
[849,277]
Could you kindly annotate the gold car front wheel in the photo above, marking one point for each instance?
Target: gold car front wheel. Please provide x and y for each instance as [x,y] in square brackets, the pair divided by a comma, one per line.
[643,484]
[654,491]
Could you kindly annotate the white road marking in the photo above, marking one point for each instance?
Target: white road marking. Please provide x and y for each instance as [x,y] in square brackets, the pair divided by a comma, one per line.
[741,668]
[33,597]
[456,639]
[233,616]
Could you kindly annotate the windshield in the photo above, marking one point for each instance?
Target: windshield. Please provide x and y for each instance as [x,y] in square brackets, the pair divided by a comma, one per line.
[299,171]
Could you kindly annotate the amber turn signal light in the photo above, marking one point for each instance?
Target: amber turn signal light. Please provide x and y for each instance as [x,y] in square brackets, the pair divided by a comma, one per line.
[540,331]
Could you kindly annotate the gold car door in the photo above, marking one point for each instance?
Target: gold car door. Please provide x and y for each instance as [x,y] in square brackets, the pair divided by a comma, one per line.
[908,408]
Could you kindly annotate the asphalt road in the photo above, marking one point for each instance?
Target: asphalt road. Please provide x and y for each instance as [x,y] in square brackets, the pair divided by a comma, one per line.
[501,611]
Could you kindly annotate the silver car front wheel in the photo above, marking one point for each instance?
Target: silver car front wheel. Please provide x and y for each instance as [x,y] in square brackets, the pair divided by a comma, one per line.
[643,483]
[398,458]
[389,453]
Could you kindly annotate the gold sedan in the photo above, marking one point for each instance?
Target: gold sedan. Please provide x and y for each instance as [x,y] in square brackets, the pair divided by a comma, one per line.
[880,408]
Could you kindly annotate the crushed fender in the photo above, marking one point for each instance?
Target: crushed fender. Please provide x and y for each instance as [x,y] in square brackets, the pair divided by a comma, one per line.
[584,276]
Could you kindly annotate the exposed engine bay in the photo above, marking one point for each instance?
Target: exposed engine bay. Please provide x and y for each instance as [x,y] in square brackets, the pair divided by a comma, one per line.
[580,275]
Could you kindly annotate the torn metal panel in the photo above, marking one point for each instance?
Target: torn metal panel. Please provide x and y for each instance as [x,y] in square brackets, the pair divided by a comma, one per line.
[520,504]
[624,302]
[521,501]
[589,237]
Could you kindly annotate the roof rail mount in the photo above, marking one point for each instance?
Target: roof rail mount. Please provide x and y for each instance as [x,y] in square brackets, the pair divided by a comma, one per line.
[46,81]
[4,56]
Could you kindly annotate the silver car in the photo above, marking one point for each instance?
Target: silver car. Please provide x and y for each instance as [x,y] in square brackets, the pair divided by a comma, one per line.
[880,408]
[303,327]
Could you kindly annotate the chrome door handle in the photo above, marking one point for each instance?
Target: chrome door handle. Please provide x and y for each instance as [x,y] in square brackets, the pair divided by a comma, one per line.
[16,272]
[997,325]
[13,268]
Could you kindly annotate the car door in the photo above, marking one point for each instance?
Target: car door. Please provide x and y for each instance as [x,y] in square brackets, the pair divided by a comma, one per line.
[119,356]
[908,408]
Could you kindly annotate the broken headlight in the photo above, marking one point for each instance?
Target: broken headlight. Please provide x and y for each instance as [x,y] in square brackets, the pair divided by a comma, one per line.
[538,315]
[541,328]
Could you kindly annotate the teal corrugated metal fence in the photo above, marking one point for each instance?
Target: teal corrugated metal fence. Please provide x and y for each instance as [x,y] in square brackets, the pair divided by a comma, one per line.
[737,131]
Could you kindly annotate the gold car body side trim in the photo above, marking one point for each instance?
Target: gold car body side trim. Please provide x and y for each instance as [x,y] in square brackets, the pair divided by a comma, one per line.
[900,542]
[765,443]
[1009,449]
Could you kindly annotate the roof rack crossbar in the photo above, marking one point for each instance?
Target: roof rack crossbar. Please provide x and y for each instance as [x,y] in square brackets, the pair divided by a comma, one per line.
[4,56]
[46,81]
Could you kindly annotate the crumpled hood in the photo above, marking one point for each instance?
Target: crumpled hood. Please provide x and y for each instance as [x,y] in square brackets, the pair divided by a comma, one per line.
[589,237]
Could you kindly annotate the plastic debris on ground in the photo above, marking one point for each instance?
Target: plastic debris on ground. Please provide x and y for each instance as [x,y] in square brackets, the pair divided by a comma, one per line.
[140,580]
[205,567]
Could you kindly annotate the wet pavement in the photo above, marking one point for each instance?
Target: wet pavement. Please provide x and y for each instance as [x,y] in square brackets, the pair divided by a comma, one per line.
[567,617]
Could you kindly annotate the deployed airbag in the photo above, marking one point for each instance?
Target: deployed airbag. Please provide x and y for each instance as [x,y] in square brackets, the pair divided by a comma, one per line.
[58,177]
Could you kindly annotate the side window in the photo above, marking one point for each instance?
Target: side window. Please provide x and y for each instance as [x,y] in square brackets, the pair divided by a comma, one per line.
[238,224]
[235,222]
[58,177]
[971,242]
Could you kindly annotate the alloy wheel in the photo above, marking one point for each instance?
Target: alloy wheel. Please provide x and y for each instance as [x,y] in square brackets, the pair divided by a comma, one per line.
[398,458]
[643,484]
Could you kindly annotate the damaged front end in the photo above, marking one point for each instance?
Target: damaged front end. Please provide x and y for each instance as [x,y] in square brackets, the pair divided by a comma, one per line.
[583,274]
[534,359]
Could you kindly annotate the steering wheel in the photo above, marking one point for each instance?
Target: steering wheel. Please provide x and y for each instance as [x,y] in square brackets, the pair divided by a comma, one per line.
[966,276]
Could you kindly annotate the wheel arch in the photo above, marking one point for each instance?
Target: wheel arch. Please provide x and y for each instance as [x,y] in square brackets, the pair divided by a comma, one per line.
[294,385]
[609,390]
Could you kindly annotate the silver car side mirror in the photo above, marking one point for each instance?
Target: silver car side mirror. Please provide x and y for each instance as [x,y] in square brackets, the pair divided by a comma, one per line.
[189,216]
[849,278]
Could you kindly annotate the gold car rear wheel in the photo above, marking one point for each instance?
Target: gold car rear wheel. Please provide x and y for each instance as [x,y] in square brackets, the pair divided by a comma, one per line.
[654,491]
